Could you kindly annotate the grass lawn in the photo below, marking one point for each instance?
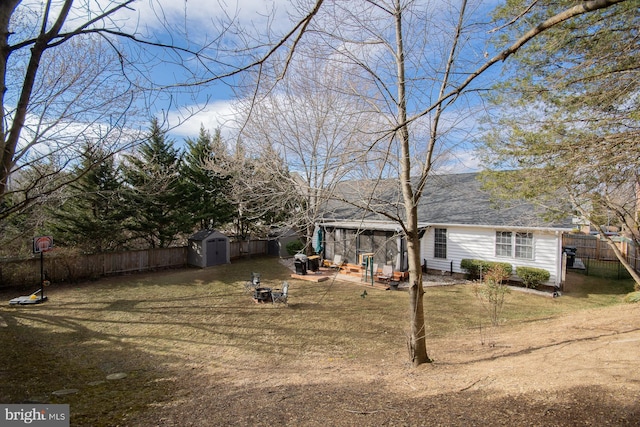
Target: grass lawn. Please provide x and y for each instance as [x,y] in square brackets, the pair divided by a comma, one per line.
[151,326]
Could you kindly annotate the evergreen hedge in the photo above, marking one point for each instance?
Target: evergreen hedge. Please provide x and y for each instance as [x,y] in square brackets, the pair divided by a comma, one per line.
[294,247]
[532,277]
[476,267]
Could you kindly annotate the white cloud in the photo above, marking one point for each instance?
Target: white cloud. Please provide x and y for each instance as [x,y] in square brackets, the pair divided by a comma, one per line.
[198,16]
[460,161]
[218,114]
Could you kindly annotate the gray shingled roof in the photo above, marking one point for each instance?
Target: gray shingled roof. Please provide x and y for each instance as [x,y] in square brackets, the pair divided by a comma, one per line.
[456,199]
[204,234]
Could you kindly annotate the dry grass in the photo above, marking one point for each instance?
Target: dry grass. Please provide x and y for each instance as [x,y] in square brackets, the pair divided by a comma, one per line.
[163,326]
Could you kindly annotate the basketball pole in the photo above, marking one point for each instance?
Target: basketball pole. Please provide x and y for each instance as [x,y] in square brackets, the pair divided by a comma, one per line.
[42,275]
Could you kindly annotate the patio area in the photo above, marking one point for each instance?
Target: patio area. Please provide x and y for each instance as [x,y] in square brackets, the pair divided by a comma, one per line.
[345,275]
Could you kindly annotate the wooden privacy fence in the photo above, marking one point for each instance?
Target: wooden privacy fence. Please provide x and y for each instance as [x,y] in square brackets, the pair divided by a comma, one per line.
[65,266]
[593,247]
[70,267]
[633,257]
[248,248]
[593,250]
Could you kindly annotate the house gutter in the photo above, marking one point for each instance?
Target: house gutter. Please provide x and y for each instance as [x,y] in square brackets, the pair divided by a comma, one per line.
[392,226]
[505,227]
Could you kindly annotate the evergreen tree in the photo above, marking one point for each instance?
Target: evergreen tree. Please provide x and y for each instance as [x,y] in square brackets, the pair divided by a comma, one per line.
[154,191]
[91,213]
[568,120]
[205,187]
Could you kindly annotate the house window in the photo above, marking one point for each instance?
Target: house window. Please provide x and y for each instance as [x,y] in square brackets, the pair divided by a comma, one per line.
[514,245]
[524,245]
[440,243]
[503,243]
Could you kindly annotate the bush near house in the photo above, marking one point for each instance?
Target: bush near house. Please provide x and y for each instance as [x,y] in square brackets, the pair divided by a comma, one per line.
[531,276]
[294,247]
[477,268]
[492,292]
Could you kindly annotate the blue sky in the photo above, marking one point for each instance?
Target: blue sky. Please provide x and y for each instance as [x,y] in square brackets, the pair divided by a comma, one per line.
[200,20]
[197,18]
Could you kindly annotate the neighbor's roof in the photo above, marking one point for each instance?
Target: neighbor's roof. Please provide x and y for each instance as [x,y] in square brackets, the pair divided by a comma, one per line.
[456,199]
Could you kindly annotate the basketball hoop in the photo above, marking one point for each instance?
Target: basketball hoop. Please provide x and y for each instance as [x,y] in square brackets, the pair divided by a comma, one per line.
[42,244]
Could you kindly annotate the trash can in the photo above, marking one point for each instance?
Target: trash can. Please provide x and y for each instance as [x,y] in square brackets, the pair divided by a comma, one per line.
[300,262]
[313,263]
[571,254]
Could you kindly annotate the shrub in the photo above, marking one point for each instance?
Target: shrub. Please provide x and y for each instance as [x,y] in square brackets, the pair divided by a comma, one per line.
[492,292]
[498,273]
[531,276]
[294,247]
[633,297]
[477,268]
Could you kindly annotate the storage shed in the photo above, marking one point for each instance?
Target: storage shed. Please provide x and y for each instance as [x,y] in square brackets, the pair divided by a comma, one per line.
[208,248]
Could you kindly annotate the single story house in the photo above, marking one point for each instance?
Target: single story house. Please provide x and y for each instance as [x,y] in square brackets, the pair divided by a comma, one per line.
[458,219]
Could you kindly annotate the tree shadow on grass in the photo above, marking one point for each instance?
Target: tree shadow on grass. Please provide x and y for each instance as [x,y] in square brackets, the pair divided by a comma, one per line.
[44,353]
[581,286]
[370,403]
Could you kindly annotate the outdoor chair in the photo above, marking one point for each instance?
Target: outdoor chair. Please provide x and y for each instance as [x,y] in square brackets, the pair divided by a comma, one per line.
[251,285]
[280,295]
[337,261]
[386,275]
[374,271]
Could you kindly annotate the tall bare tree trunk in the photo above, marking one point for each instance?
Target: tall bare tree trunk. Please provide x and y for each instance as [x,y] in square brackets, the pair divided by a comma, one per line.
[7,8]
[417,340]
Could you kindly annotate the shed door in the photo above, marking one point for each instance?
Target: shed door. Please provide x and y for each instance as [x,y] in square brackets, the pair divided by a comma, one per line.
[216,252]
[273,247]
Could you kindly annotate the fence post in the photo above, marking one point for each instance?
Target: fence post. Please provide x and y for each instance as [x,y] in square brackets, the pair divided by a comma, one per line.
[586,267]
[619,264]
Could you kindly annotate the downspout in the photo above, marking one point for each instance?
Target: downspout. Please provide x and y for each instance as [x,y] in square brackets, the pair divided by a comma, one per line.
[559,264]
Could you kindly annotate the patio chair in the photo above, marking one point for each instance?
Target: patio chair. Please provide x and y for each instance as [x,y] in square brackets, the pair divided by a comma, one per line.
[386,275]
[251,285]
[280,295]
[337,262]
[374,271]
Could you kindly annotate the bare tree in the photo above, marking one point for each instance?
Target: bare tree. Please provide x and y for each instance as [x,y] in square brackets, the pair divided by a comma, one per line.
[54,101]
[311,127]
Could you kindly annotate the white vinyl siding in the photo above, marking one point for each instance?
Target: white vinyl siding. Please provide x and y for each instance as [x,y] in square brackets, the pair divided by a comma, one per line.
[480,243]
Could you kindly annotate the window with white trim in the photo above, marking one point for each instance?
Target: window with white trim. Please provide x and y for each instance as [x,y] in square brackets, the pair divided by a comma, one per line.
[514,245]
[524,246]
[503,243]
[440,243]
